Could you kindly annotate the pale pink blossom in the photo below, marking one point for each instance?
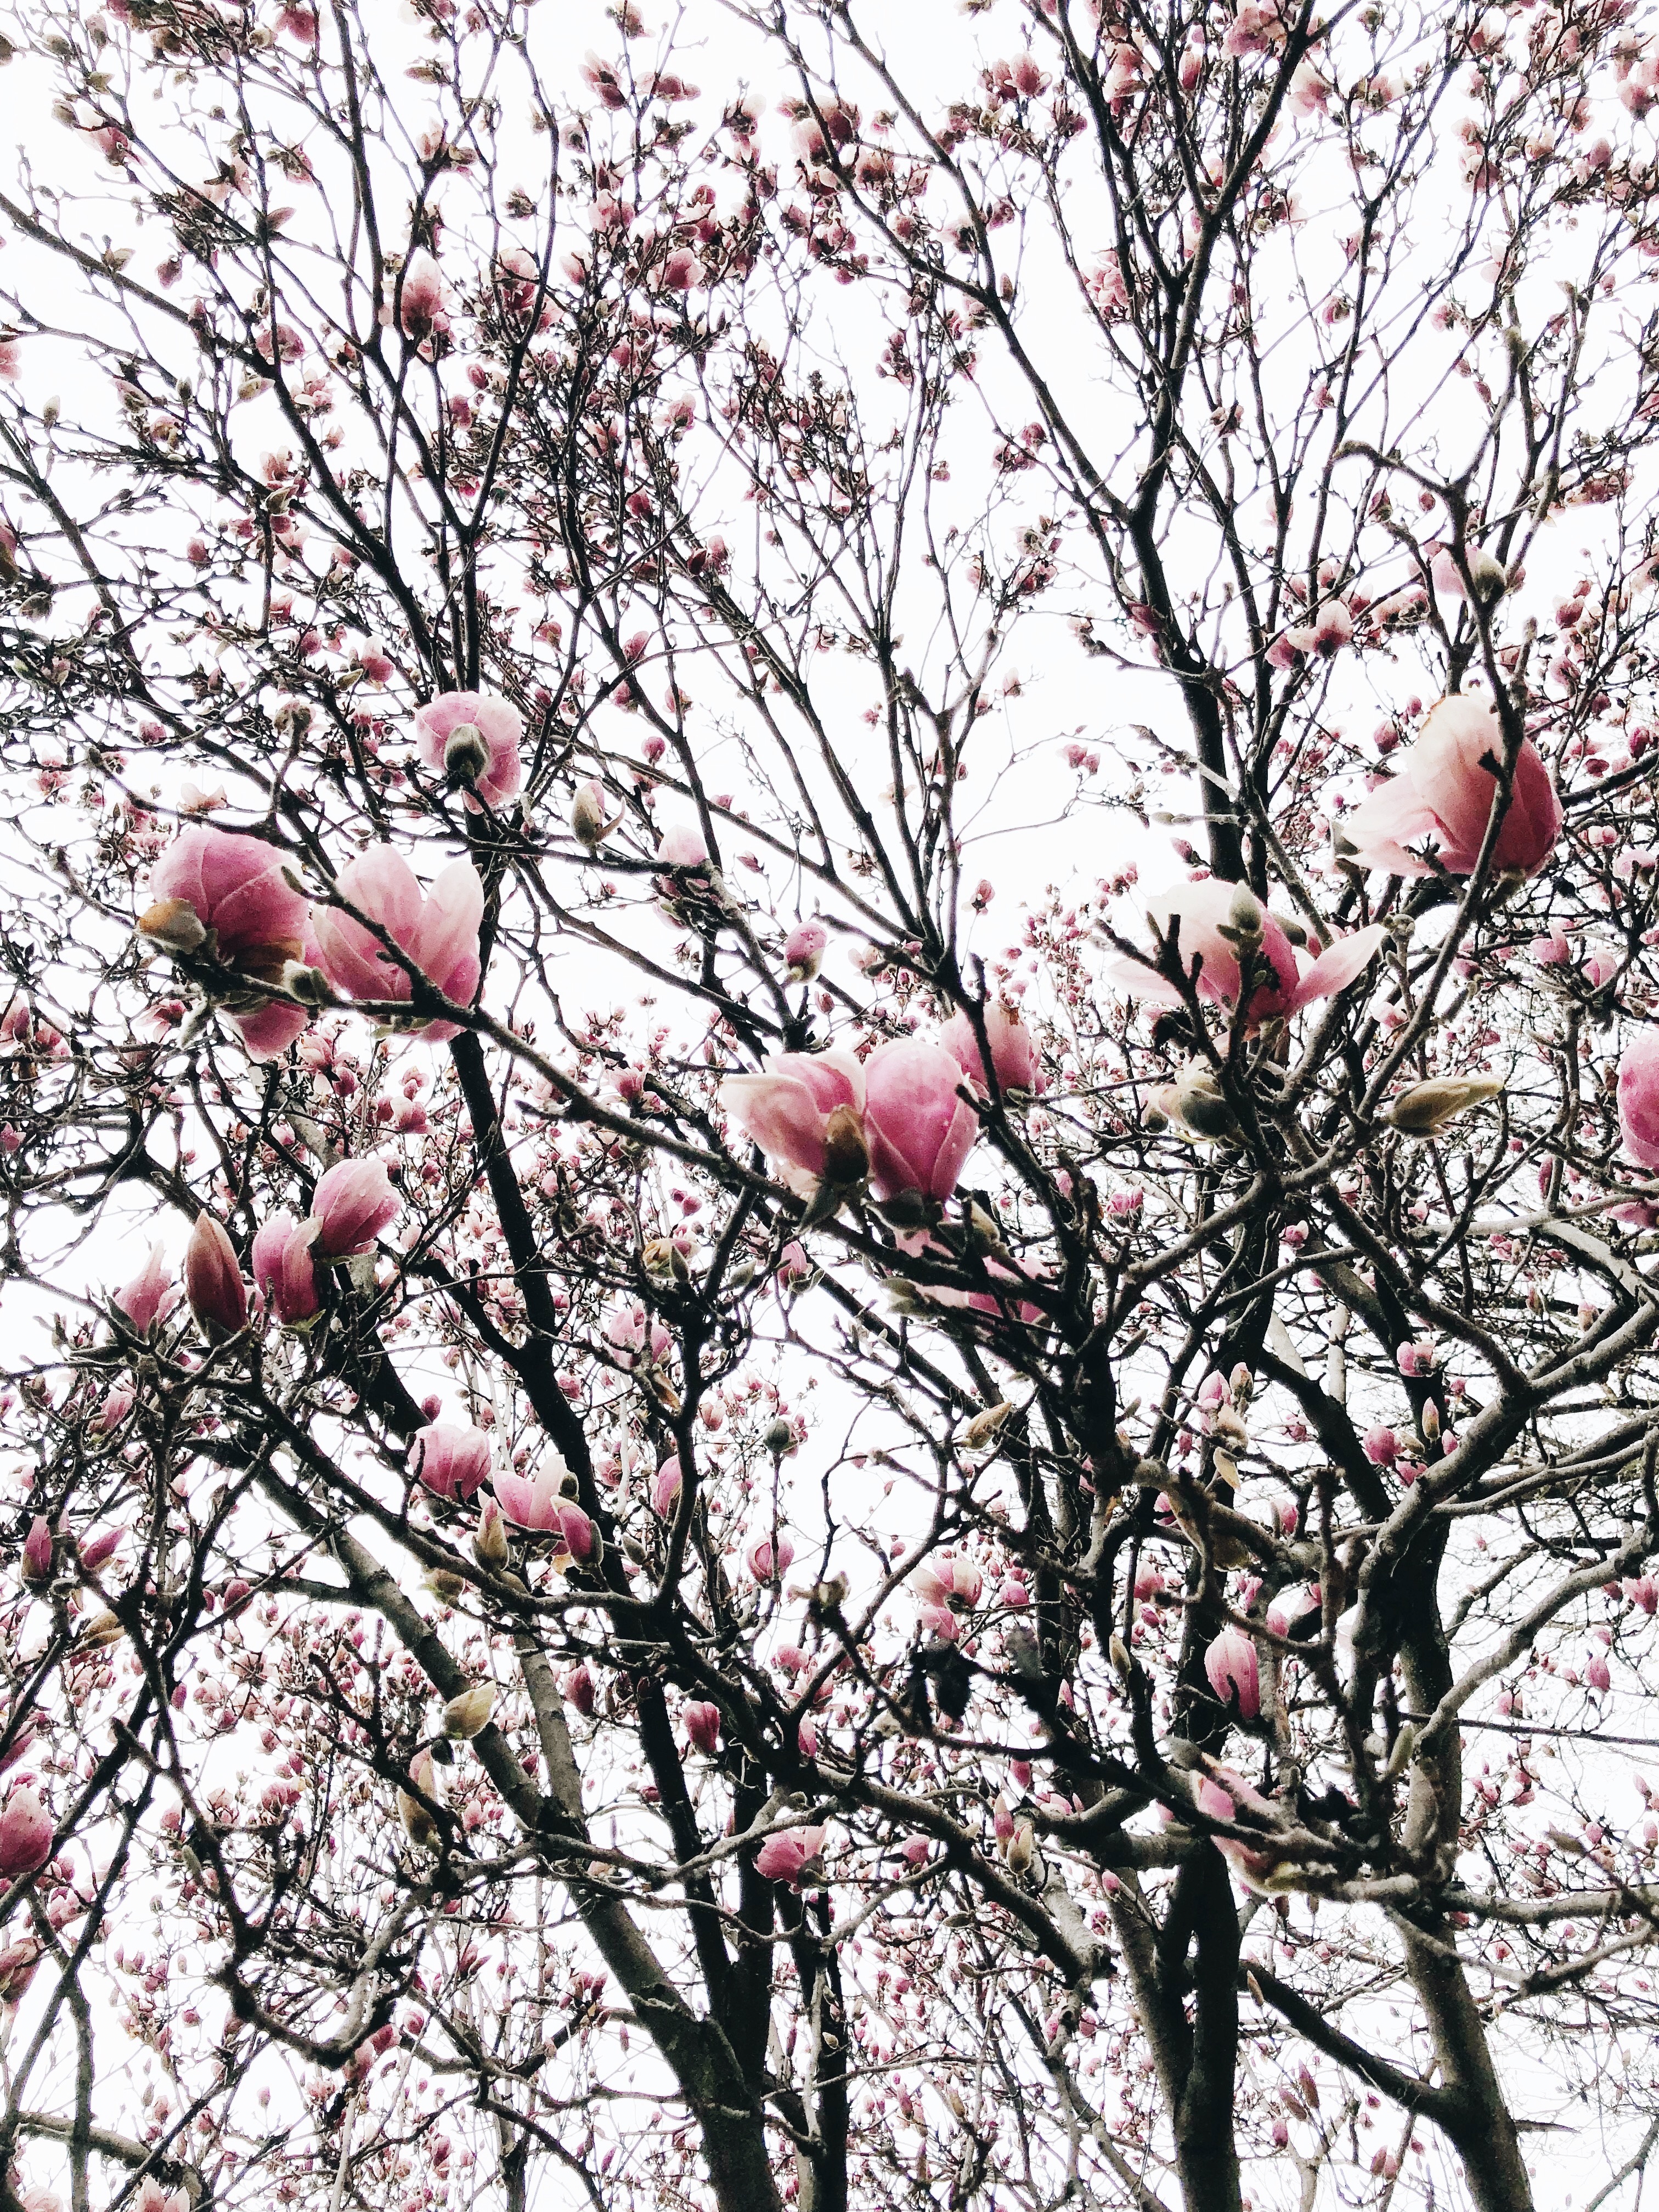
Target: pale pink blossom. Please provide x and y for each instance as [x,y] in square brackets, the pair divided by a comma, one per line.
[1223,1797]
[1442,797]
[919,1126]
[152,1293]
[1230,1661]
[500,728]
[1381,1446]
[681,846]
[1638,1098]
[350,1205]
[452,1458]
[782,1857]
[1204,910]
[213,1280]
[1014,1059]
[949,1580]
[437,931]
[282,1268]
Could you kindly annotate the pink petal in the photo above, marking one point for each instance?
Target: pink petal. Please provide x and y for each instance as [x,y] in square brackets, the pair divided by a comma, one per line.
[1336,969]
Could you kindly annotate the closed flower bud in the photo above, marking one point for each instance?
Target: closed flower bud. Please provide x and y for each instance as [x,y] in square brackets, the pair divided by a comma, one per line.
[702,1726]
[174,925]
[1245,914]
[37,1554]
[587,821]
[419,1825]
[1426,1109]
[98,1630]
[1021,1848]
[466,754]
[490,1546]
[213,1280]
[25,1834]
[468,1715]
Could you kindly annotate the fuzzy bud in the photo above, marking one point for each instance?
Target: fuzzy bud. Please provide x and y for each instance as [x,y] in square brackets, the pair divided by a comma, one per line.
[489,1545]
[468,1715]
[466,754]
[1426,1109]
[174,925]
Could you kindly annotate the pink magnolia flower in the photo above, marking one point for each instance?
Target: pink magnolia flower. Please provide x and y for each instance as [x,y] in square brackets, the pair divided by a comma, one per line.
[24,1833]
[782,1857]
[350,1205]
[766,1565]
[627,1334]
[1203,911]
[1638,1098]
[702,1725]
[500,728]
[918,1128]
[452,1458]
[788,1109]
[949,1579]
[1013,1049]
[282,1267]
[438,931]
[803,951]
[1230,1661]
[532,1502]
[1444,794]
[238,893]
[420,296]
[213,1280]
[37,1553]
[582,1537]
[665,1488]
[1381,1446]
[681,846]
[151,1295]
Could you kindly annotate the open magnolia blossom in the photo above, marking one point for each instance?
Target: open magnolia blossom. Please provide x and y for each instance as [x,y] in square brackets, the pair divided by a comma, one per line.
[901,1117]
[437,931]
[477,739]
[1441,800]
[243,909]
[1201,920]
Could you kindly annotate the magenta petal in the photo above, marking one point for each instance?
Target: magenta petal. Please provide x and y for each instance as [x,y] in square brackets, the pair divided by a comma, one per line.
[269,1031]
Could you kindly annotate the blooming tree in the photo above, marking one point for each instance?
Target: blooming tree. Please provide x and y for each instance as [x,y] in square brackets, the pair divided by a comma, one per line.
[689,1522]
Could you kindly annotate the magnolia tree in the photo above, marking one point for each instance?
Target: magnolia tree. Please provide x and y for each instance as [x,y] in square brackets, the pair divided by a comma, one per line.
[690,1521]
